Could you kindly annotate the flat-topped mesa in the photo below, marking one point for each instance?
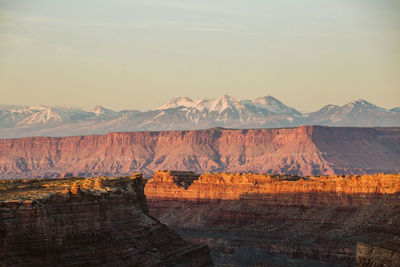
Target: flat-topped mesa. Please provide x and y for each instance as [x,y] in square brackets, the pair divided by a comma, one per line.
[348,190]
[307,150]
[87,221]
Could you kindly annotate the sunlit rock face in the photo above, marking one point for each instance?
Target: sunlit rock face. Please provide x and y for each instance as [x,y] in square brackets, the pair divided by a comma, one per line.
[277,219]
[308,150]
[87,222]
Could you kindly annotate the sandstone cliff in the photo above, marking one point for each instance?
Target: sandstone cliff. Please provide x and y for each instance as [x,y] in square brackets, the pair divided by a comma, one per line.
[386,253]
[305,150]
[87,222]
[278,219]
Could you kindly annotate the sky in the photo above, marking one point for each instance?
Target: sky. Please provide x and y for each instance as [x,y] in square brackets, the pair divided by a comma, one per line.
[138,54]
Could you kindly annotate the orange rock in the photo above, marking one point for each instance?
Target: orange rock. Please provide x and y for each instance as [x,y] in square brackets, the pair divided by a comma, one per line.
[237,186]
[75,189]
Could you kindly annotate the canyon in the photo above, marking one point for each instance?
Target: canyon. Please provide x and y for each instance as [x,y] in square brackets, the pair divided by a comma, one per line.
[306,150]
[181,218]
[101,221]
[280,220]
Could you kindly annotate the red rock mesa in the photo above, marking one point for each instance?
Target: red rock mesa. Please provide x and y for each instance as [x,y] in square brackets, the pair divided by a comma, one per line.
[305,150]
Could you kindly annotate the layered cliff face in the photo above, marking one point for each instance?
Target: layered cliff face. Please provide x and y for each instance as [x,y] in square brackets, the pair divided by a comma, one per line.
[304,151]
[273,219]
[386,253]
[87,222]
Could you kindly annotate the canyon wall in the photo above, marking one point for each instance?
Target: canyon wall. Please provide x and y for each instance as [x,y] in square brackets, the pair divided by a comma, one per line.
[87,222]
[385,253]
[305,151]
[277,219]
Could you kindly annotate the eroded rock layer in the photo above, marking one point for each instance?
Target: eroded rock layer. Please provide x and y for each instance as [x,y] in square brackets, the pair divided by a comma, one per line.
[386,253]
[305,150]
[278,219]
[87,222]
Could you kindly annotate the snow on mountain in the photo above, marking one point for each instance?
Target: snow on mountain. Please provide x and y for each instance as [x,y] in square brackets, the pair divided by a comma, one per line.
[46,115]
[98,110]
[38,108]
[184,113]
[177,102]
[227,102]
[274,105]
[361,105]
[225,111]
[40,115]
[104,113]
[355,113]
[271,104]
[223,103]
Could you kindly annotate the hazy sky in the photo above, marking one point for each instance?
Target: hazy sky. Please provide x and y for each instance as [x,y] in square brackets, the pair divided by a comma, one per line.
[138,54]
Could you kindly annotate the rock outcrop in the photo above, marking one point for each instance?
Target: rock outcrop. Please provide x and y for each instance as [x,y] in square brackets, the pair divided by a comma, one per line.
[308,150]
[386,253]
[277,219]
[87,222]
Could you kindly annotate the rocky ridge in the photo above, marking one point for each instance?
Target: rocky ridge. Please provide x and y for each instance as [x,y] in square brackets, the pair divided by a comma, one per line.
[87,222]
[249,219]
[304,150]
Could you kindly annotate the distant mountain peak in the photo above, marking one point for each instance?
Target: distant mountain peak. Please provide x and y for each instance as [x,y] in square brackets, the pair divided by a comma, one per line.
[98,110]
[38,107]
[44,116]
[103,112]
[266,100]
[361,104]
[177,102]
[359,100]
[272,104]
[223,103]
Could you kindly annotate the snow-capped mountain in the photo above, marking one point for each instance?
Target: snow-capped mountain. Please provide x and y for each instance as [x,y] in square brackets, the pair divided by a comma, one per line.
[104,113]
[271,104]
[184,113]
[356,113]
[227,110]
[225,102]
[42,116]
[178,102]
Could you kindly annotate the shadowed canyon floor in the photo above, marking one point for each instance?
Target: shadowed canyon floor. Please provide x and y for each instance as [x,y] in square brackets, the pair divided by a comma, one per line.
[307,150]
[250,219]
[87,222]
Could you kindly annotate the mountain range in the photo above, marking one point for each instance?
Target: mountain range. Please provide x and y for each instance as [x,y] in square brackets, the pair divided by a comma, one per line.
[184,113]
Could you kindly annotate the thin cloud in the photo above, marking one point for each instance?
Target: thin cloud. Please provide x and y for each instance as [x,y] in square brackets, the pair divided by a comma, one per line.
[146,24]
[312,34]
[213,29]
[173,4]
[6,38]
